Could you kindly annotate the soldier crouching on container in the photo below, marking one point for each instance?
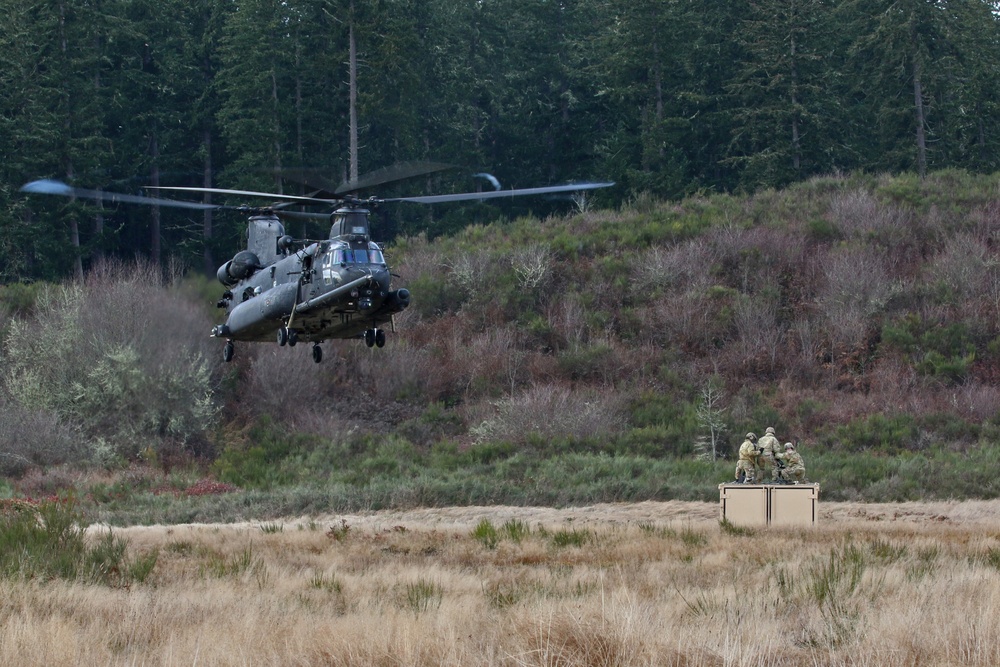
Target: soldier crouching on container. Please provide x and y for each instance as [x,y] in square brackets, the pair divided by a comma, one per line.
[794,470]
[746,466]
[769,448]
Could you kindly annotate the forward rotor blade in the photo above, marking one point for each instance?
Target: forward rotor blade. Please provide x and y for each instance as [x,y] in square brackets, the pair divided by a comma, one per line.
[497,194]
[391,174]
[250,193]
[52,187]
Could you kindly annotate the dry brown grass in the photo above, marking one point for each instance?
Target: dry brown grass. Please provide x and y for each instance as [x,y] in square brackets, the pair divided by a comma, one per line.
[639,584]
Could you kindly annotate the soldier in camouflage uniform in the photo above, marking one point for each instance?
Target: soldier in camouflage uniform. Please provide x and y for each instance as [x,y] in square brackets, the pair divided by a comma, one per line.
[769,449]
[746,466]
[794,471]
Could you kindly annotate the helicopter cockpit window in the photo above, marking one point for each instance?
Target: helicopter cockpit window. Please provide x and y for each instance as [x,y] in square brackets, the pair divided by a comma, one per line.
[376,257]
[327,273]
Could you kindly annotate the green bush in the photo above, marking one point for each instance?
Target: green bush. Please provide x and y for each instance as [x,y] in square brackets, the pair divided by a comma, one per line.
[876,433]
[47,541]
[946,352]
[272,456]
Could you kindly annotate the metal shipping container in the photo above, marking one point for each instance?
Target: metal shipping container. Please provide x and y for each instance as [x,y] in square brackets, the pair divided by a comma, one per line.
[769,504]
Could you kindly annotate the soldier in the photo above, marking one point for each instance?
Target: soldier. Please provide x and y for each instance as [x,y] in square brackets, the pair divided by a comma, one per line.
[794,470]
[769,449]
[746,466]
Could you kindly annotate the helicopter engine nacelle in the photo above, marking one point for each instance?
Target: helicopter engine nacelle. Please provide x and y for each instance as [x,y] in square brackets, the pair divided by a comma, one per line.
[239,268]
[398,300]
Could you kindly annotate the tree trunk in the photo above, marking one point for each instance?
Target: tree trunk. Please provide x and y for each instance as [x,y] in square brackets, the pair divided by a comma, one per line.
[918,106]
[154,217]
[353,95]
[206,182]
[277,132]
[796,149]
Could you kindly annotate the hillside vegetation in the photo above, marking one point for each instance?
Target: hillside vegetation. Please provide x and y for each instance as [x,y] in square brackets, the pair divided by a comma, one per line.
[573,359]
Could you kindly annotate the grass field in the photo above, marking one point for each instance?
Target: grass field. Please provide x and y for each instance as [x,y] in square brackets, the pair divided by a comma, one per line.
[632,584]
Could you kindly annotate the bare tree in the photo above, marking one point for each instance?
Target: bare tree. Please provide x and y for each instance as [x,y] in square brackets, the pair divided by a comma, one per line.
[711,417]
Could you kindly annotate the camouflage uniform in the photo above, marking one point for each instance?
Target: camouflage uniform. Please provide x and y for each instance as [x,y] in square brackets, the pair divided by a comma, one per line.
[769,448]
[795,468]
[747,463]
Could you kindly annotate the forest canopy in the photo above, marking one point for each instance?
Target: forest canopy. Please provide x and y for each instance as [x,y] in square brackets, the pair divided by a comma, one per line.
[668,99]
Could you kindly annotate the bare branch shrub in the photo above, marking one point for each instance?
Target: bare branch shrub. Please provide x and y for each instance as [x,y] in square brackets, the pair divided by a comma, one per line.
[753,259]
[399,370]
[963,271]
[894,385]
[857,288]
[420,258]
[531,264]
[284,382]
[549,411]
[857,213]
[472,271]
[759,333]
[682,267]
[567,319]
[34,437]
[808,338]
[975,401]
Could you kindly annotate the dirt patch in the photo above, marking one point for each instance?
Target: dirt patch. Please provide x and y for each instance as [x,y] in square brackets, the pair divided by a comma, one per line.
[674,512]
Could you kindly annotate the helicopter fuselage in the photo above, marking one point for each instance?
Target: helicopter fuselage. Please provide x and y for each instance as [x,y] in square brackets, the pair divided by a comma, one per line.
[338,288]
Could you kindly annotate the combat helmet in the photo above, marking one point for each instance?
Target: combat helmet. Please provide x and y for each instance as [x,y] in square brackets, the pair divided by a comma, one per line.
[769,431]
[751,436]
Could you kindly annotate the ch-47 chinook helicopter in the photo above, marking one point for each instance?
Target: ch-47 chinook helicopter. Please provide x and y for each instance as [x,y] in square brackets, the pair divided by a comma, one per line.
[291,291]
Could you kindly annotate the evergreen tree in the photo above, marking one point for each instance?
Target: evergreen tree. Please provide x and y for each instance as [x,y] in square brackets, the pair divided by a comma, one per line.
[782,92]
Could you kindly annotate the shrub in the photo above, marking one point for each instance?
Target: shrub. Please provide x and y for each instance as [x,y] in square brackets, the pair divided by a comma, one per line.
[486,533]
[123,361]
[876,433]
[46,541]
[35,437]
[547,412]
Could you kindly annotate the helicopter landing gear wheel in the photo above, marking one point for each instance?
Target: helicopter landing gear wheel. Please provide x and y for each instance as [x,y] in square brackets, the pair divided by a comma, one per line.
[379,338]
[282,336]
[370,337]
[228,351]
[293,337]
[317,353]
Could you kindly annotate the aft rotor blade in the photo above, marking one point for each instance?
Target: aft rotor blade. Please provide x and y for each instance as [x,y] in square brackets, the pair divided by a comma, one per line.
[52,187]
[497,194]
[250,193]
[302,215]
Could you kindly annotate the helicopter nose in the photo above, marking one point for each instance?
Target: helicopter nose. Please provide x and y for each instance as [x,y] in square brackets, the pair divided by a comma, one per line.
[381,280]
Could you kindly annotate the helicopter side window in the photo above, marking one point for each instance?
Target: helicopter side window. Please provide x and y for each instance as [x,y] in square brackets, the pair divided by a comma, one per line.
[338,257]
[376,257]
[327,274]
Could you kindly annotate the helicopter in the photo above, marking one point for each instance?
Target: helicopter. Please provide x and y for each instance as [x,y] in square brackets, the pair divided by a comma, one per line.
[291,290]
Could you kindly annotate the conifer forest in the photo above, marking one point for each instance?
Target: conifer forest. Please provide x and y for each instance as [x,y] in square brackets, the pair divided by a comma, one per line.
[664,98]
